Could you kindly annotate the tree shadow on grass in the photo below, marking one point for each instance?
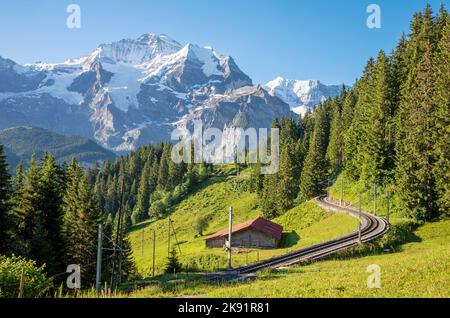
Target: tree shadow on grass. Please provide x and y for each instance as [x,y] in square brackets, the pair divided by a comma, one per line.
[140,226]
[289,239]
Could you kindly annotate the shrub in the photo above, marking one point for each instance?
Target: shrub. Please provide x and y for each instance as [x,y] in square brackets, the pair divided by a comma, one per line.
[205,262]
[173,265]
[200,224]
[36,284]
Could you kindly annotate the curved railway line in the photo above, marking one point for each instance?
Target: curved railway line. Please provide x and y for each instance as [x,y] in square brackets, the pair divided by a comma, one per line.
[372,227]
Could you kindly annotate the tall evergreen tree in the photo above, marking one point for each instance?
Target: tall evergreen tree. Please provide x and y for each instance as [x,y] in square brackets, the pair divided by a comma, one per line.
[51,190]
[354,143]
[5,194]
[163,176]
[377,159]
[441,100]
[30,215]
[286,189]
[335,150]
[143,197]
[314,175]
[81,218]
[17,243]
[415,148]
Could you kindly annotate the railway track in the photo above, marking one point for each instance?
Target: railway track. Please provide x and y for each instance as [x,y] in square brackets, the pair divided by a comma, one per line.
[372,227]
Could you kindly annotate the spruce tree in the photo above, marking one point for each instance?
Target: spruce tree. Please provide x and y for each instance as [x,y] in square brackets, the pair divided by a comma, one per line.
[17,244]
[81,219]
[143,197]
[163,174]
[416,146]
[314,175]
[256,179]
[5,195]
[377,155]
[441,100]
[173,265]
[26,208]
[354,135]
[336,145]
[51,193]
[290,167]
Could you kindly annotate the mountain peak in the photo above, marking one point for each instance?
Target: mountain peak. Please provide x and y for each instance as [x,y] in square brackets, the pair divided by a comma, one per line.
[206,55]
[301,94]
[133,91]
[152,38]
[137,51]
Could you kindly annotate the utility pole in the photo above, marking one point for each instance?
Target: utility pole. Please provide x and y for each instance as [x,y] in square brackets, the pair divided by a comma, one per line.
[375,199]
[342,190]
[359,219]
[388,205]
[153,258]
[99,260]
[175,235]
[168,242]
[21,283]
[230,229]
[120,234]
[328,188]
[236,160]
[142,242]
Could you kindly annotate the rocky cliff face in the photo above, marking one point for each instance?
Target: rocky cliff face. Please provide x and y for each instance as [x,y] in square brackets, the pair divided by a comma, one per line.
[301,95]
[134,92]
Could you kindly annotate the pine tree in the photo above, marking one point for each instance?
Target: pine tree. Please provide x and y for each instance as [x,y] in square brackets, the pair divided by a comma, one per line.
[290,166]
[353,137]
[441,100]
[52,189]
[163,174]
[143,197]
[5,195]
[306,128]
[173,265]
[377,159]
[81,218]
[129,270]
[314,174]
[256,179]
[26,208]
[415,147]
[336,145]
[269,196]
[17,244]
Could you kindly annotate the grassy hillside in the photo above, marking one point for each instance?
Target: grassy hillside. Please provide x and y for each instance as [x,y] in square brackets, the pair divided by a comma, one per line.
[303,226]
[414,258]
[351,191]
[22,142]
[420,267]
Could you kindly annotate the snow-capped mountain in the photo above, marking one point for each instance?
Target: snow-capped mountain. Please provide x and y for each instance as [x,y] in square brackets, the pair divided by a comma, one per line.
[301,95]
[134,92]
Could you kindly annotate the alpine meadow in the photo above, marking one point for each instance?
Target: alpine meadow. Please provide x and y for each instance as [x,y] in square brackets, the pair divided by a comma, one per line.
[89,187]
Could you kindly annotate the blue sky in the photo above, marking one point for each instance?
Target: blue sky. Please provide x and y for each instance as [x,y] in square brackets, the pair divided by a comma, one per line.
[298,39]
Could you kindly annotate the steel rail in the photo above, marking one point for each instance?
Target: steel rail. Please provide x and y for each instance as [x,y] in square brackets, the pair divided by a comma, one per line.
[372,227]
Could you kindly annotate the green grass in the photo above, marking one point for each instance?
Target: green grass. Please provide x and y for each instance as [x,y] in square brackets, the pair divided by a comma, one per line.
[414,257]
[304,225]
[351,191]
[419,268]
[211,201]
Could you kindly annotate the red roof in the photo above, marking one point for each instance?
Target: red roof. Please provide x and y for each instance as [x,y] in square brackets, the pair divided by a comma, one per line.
[259,224]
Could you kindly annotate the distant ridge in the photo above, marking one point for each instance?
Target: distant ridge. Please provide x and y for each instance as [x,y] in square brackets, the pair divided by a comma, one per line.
[21,142]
